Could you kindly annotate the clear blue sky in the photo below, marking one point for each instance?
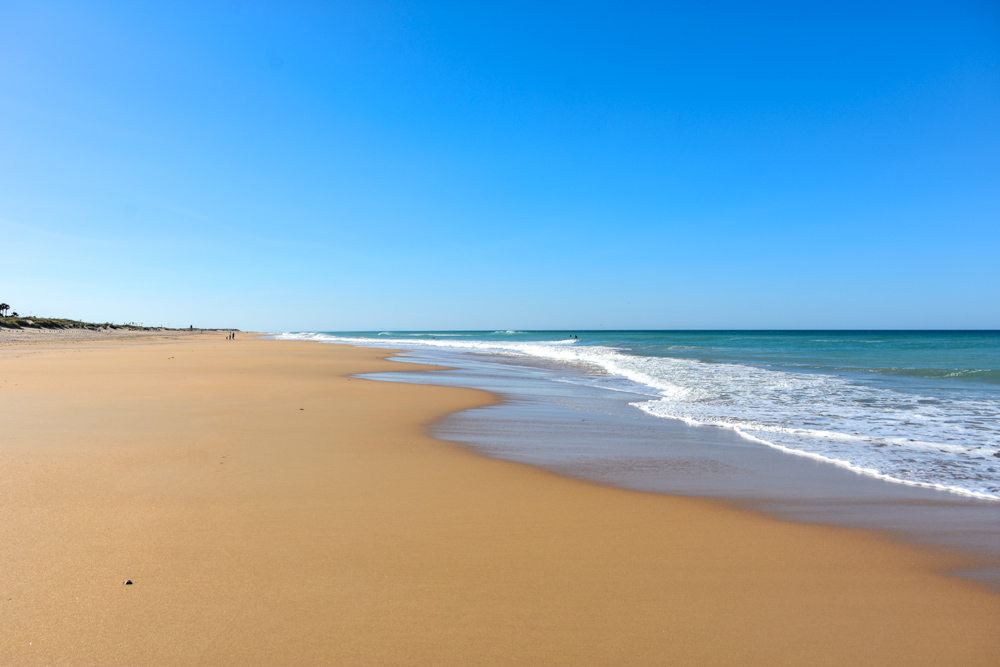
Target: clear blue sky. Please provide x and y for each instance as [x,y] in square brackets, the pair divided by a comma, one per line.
[297,165]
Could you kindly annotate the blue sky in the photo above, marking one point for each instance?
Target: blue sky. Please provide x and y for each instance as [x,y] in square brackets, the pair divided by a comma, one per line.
[345,166]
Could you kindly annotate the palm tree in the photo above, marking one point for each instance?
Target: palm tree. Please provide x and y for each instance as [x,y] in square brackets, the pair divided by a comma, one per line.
[4,308]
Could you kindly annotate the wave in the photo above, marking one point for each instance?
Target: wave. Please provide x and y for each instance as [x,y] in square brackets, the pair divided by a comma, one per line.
[988,375]
[431,335]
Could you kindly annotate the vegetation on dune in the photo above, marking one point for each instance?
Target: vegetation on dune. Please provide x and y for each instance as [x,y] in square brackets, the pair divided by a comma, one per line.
[16,322]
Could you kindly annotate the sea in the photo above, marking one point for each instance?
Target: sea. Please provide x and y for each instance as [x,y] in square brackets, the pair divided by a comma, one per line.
[895,430]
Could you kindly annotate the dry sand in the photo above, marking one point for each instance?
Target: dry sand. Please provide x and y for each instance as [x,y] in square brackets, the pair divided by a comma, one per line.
[270,510]
[21,337]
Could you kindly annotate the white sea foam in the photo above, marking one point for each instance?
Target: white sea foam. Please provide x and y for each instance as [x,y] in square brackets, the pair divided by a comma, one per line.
[901,437]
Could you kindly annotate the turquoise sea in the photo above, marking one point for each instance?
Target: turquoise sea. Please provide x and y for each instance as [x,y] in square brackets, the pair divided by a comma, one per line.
[913,407]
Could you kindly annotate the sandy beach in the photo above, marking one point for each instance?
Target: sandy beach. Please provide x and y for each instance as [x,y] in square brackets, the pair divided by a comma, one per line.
[270,509]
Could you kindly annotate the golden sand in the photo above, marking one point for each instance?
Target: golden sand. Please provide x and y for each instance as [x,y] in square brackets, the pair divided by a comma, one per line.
[271,510]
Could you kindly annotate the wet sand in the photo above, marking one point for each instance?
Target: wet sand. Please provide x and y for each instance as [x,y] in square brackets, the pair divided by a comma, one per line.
[270,509]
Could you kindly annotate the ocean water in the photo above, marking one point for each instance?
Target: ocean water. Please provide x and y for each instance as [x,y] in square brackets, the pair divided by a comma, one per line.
[918,408]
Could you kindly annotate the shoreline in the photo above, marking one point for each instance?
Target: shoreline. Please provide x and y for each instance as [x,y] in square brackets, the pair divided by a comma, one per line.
[825,397]
[271,507]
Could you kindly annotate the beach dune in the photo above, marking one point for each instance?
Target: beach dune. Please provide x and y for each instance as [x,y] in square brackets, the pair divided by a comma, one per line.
[270,509]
